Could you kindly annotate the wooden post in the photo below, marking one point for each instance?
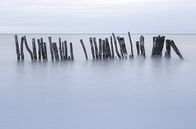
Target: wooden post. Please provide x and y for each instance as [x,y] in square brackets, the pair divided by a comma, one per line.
[55,51]
[168,49]
[104,49]
[154,46]
[84,49]
[108,51]
[116,47]
[21,48]
[112,47]
[34,48]
[27,47]
[71,51]
[131,44]
[39,49]
[66,50]
[158,44]
[92,48]
[51,48]
[17,47]
[96,48]
[42,49]
[123,49]
[100,48]
[138,48]
[142,48]
[176,49]
[45,51]
[60,49]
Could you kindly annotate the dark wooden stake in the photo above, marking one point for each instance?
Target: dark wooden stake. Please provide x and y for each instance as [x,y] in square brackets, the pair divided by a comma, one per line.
[56,55]
[27,47]
[142,48]
[84,49]
[51,48]
[176,49]
[34,48]
[71,51]
[138,47]
[112,47]
[131,44]
[116,47]
[100,48]
[60,49]
[92,48]
[168,49]
[96,48]
[17,47]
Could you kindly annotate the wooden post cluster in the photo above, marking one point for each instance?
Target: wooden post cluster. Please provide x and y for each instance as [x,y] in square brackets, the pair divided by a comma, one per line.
[39,50]
[158,44]
[61,52]
[110,48]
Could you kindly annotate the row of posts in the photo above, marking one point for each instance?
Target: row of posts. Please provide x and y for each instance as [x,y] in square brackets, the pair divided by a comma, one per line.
[110,48]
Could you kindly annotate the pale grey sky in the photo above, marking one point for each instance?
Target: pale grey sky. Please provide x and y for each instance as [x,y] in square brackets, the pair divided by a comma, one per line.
[77,16]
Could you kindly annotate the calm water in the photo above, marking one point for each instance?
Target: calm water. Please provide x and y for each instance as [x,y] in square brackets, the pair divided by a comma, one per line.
[138,94]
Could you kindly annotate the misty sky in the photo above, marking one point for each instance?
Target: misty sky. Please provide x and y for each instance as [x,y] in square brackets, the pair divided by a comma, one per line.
[78,16]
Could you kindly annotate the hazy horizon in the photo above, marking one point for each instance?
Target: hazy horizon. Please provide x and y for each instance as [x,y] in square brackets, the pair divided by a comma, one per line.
[97,16]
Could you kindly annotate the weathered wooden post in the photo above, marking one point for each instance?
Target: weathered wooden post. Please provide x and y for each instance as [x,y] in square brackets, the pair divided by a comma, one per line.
[17,47]
[96,48]
[100,48]
[131,44]
[138,47]
[154,46]
[71,51]
[104,49]
[108,51]
[176,49]
[168,49]
[60,49]
[142,48]
[39,49]
[21,48]
[27,47]
[112,47]
[42,49]
[158,44]
[56,55]
[34,48]
[116,47]
[84,49]
[92,47]
[51,48]
[45,51]
[122,45]
[66,50]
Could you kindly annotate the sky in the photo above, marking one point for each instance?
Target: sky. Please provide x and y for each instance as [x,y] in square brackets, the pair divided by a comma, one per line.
[97,16]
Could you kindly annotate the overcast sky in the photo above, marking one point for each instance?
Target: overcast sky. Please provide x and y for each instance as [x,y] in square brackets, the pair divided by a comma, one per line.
[78,16]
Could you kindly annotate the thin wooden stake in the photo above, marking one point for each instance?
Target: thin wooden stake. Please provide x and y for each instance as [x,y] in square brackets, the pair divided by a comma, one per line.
[51,48]
[84,49]
[176,49]
[34,48]
[168,49]
[96,48]
[131,44]
[112,47]
[71,51]
[17,47]
[92,48]
[116,47]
